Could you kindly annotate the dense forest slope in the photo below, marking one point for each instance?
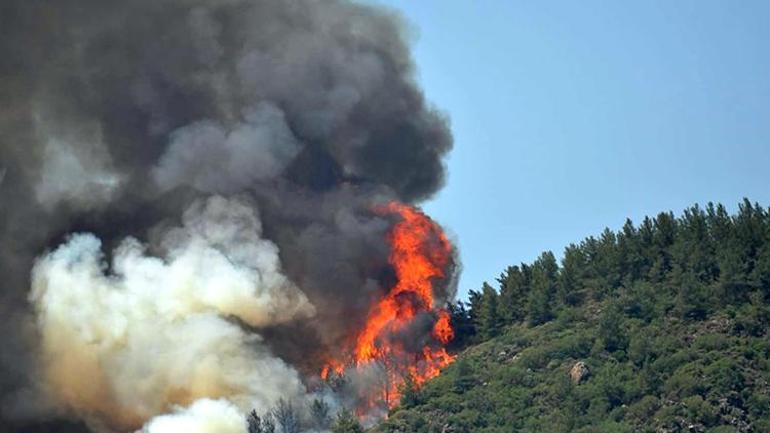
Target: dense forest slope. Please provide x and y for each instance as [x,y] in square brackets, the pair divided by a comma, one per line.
[660,327]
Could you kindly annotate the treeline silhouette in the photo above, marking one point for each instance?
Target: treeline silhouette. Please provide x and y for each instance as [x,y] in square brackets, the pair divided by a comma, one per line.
[689,266]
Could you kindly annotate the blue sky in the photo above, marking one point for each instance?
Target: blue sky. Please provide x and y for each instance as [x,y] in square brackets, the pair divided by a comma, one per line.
[570,116]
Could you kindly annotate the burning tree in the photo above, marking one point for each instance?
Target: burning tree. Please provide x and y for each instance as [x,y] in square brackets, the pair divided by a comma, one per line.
[421,257]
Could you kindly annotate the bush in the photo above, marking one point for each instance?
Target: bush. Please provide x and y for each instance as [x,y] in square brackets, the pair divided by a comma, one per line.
[643,409]
[699,410]
[685,381]
[723,376]
[758,405]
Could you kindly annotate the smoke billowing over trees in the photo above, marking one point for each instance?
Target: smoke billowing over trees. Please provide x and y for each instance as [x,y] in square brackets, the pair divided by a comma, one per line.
[202,167]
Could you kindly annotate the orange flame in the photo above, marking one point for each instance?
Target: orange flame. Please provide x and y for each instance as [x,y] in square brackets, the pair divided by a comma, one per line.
[442,330]
[420,255]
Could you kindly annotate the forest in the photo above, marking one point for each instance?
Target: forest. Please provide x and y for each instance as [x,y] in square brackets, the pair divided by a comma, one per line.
[659,327]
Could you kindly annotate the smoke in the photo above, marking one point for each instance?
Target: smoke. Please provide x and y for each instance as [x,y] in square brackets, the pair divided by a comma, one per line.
[204,416]
[185,201]
[174,309]
[210,158]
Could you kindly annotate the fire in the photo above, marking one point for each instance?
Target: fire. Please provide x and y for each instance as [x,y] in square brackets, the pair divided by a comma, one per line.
[420,256]
[442,330]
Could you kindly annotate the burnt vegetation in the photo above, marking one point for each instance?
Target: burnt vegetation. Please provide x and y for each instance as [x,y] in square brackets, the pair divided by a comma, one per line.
[658,327]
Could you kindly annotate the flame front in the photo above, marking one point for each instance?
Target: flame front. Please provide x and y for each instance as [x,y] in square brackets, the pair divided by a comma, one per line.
[420,256]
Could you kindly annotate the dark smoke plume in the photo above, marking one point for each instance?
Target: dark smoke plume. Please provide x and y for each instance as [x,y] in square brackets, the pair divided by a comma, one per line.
[274,122]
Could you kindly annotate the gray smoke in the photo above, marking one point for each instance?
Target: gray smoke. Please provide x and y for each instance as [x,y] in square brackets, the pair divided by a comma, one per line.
[127,120]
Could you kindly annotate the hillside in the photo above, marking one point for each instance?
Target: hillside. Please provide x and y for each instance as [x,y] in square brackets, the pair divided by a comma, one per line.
[659,327]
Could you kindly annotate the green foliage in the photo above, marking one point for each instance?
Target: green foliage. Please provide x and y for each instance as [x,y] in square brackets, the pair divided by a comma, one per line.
[699,410]
[723,376]
[612,328]
[463,376]
[693,299]
[346,423]
[320,414]
[640,348]
[571,277]
[514,287]
[462,325]
[542,297]
[489,323]
[670,317]
[410,394]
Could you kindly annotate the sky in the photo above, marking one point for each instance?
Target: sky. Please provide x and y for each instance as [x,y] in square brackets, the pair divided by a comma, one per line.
[570,116]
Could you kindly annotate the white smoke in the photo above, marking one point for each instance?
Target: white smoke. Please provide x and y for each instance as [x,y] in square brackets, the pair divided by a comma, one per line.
[133,340]
[203,416]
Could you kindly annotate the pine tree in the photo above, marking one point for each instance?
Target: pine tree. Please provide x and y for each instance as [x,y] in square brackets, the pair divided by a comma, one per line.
[461,324]
[664,234]
[608,262]
[756,317]
[463,377]
[591,278]
[750,228]
[631,253]
[268,425]
[514,286]
[257,424]
[646,241]
[254,422]
[410,393]
[612,330]
[475,301]
[489,319]
[744,246]
[693,249]
[692,299]
[286,416]
[543,293]
[347,423]
[761,272]
[319,412]
[570,290]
